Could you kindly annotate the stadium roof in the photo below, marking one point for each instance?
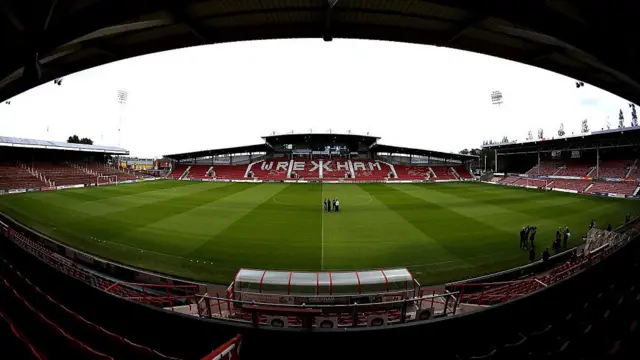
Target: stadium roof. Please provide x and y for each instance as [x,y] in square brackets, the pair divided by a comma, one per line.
[411,151]
[592,41]
[58,145]
[352,139]
[629,136]
[224,151]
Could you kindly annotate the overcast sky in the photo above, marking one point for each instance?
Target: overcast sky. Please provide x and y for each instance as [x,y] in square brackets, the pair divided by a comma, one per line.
[231,94]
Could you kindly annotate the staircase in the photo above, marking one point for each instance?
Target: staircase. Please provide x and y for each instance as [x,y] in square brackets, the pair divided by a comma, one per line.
[591,171]
[455,173]
[588,187]
[432,173]
[185,173]
[393,169]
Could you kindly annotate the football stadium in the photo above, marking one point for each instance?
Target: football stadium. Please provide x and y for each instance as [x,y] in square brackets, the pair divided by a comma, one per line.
[265,210]
[320,244]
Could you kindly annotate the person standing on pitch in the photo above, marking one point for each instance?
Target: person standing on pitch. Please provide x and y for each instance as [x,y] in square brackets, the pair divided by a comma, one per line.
[627,218]
[532,236]
[328,205]
[565,240]
[337,206]
[532,254]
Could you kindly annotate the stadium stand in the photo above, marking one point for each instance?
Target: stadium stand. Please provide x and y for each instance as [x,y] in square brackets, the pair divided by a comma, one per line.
[622,188]
[305,169]
[575,170]
[577,185]
[545,168]
[634,172]
[370,170]
[408,172]
[443,173]
[509,179]
[16,177]
[179,171]
[337,168]
[107,170]
[270,169]
[463,172]
[533,182]
[199,172]
[614,168]
[229,172]
[62,174]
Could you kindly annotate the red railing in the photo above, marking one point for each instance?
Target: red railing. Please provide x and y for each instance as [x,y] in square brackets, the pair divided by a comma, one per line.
[227,351]
[21,337]
[99,328]
[75,342]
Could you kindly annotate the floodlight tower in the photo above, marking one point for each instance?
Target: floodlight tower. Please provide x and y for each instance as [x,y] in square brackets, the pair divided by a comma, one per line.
[496,101]
[122,100]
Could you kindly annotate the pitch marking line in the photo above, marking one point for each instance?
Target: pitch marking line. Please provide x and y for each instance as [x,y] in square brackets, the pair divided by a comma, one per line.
[322,230]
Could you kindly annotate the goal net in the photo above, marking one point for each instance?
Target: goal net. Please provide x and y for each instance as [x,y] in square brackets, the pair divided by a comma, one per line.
[107,180]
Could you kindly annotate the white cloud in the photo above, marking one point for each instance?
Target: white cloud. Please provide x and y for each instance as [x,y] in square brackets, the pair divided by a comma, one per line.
[231,94]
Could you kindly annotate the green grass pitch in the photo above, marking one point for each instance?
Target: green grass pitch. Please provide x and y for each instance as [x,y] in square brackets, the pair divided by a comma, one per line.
[206,231]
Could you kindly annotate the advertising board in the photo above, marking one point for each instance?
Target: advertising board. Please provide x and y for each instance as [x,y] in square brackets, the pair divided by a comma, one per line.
[16,191]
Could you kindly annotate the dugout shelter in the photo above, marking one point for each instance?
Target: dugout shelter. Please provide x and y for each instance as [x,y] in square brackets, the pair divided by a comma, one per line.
[323,288]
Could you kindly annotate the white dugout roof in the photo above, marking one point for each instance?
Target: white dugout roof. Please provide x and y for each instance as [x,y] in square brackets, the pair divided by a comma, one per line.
[323,283]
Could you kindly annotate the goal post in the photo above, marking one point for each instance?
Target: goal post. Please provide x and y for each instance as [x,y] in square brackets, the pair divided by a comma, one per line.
[107,180]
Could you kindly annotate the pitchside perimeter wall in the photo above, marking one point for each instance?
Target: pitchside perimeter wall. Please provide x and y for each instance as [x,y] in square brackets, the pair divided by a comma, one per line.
[177,333]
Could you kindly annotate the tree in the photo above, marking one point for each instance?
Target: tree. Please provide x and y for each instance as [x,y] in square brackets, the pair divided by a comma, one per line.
[620,120]
[464,152]
[540,134]
[634,115]
[529,135]
[505,140]
[76,140]
[585,127]
[561,130]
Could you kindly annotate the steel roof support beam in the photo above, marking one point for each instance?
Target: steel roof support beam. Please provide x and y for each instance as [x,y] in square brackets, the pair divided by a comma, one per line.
[177,12]
[328,15]
[451,36]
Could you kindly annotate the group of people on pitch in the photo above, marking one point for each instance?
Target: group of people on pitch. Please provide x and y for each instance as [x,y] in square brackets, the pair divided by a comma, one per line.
[527,241]
[331,203]
[528,233]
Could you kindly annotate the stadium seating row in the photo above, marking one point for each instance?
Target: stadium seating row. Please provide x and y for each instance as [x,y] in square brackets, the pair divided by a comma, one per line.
[321,168]
[606,169]
[47,174]
[581,186]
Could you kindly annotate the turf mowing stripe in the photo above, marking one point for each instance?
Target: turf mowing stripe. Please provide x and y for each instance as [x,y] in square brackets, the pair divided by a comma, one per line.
[282,233]
[463,236]
[524,208]
[121,226]
[203,223]
[121,190]
[378,232]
